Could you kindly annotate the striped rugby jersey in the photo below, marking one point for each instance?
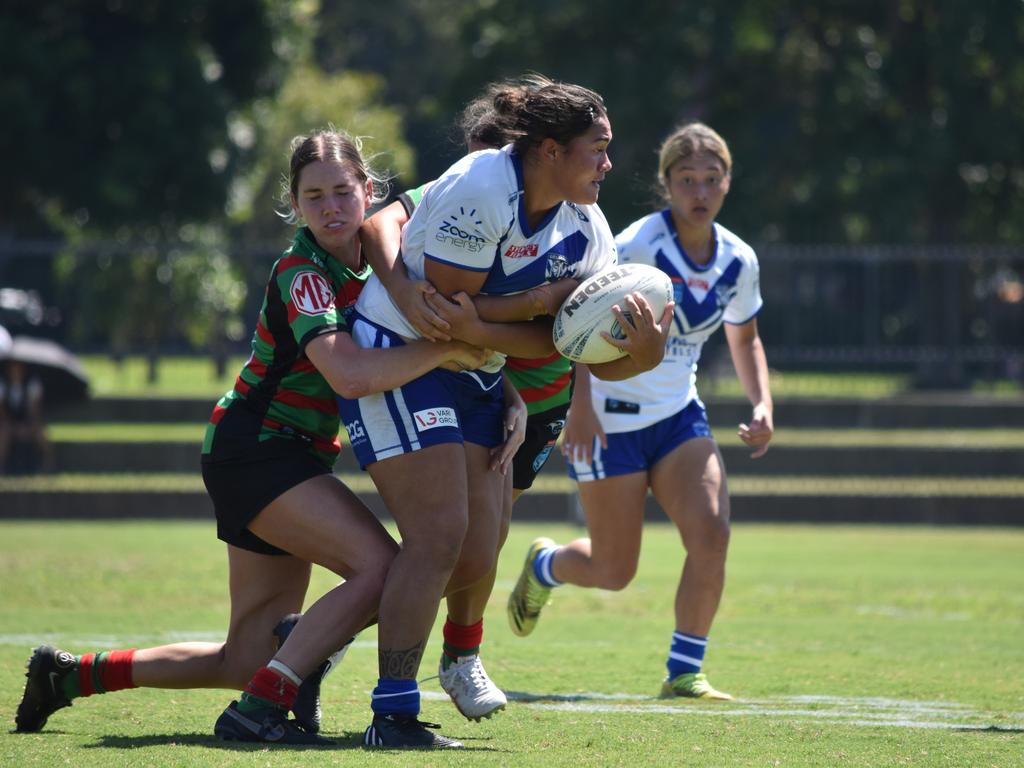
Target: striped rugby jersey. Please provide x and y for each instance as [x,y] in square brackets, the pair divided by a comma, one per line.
[308,294]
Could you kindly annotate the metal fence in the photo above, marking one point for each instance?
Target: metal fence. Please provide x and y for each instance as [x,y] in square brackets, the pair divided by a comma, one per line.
[946,313]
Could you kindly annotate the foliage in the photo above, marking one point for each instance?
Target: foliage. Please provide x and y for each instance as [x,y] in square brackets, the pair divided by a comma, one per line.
[310,99]
[153,295]
[850,122]
[117,115]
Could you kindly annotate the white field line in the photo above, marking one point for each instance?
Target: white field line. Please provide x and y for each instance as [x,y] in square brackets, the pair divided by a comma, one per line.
[839,710]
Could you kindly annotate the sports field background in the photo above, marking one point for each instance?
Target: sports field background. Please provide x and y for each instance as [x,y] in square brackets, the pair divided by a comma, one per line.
[845,645]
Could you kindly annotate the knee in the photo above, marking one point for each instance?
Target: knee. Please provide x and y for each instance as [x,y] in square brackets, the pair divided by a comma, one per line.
[437,550]
[471,568]
[616,577]
[238,665]
[713,537]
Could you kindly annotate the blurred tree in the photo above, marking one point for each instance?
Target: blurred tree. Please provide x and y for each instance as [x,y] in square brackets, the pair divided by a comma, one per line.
[151,296]
[116,113]
[308,100]
[878,121]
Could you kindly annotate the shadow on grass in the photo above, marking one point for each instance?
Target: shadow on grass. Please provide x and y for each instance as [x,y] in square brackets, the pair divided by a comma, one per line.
[346,740]
[992,729]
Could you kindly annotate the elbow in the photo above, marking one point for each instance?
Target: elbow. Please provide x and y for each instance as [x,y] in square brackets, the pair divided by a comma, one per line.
[351,388]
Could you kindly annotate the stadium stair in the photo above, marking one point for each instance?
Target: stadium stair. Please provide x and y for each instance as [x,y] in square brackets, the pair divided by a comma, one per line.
[868,466]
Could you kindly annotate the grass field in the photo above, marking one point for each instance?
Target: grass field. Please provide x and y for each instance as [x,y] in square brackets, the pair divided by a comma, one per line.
[845,646]
[193,376]
[196,377]
[725,434]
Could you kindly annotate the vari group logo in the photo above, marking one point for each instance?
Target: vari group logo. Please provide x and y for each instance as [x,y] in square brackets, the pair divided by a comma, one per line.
[461,231]
[355,430]
[311,294]
[435,417]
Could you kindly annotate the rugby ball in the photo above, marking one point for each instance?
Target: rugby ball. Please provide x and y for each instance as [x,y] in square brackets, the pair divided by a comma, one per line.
[588,310]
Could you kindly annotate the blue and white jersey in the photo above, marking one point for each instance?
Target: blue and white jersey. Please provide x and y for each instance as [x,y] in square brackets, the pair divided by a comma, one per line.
[725,289]
[474,218]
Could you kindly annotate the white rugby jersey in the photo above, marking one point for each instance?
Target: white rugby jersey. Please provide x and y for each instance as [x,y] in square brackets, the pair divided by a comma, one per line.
[725,289]
[474,218]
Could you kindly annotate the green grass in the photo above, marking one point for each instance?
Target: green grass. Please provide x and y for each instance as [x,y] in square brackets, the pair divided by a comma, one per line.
[749,485]
[176,377]
[846,646]
[725,434]
[196,377]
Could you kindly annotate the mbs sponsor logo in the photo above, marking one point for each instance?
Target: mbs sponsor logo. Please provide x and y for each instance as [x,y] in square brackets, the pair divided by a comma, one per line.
[311,294]
[435,417]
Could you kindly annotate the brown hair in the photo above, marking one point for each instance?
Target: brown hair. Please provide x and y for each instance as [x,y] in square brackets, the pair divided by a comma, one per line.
[481,123]
[537,108]
[328,144]
[686,141]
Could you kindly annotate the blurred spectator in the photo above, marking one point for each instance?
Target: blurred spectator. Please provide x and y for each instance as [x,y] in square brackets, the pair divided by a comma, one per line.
[24,446]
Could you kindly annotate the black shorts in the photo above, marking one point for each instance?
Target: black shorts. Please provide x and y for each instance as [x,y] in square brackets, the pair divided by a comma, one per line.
[542,431]
[242,486]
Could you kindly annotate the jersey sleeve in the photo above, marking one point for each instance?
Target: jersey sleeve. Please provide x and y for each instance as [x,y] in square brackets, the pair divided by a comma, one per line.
[626,245]
[308,299]
[747,301]
[465,223]
[410,199]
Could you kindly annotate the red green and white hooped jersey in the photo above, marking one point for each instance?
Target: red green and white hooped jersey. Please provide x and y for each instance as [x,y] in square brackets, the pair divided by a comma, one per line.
[308,294]
[544,383]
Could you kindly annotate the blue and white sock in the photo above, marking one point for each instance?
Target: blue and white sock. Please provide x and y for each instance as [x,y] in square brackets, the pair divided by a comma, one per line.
[686,654]
[542,567]
[395,697]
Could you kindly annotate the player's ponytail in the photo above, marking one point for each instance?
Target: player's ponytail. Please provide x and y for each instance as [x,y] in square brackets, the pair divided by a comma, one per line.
[537,108]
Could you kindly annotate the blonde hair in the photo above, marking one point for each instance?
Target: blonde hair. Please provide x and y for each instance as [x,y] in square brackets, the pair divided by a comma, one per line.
[686,141]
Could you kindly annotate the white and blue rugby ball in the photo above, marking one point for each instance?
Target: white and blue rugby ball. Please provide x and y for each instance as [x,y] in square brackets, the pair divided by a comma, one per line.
[588,310]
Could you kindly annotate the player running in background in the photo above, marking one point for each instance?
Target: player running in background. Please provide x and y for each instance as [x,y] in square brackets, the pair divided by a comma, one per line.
[267,459]
[497,222]
[652,431]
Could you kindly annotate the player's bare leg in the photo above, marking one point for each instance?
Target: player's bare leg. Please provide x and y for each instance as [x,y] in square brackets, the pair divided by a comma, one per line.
[689,483]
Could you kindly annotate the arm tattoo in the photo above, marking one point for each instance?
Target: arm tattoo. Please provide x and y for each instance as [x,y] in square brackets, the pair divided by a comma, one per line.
[400,665]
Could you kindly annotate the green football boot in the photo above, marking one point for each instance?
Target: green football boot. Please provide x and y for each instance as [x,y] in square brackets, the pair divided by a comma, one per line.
[692,685]
[529,595]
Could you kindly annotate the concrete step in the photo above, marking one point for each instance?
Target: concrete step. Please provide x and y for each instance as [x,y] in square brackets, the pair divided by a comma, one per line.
[556,507]
[908,411]
[85,457]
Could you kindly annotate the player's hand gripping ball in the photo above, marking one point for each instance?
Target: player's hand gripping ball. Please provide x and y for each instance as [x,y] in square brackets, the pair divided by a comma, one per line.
[588,310]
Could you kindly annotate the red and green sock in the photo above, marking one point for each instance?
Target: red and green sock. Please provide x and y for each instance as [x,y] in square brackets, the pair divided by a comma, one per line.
[460,641]
[94,673]
[273,686]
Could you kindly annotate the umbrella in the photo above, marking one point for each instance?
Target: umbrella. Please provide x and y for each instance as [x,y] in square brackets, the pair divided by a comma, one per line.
[63,377]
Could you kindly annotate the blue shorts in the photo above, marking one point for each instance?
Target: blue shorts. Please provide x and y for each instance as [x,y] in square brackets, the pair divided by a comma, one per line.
[641,449]
[439,407]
